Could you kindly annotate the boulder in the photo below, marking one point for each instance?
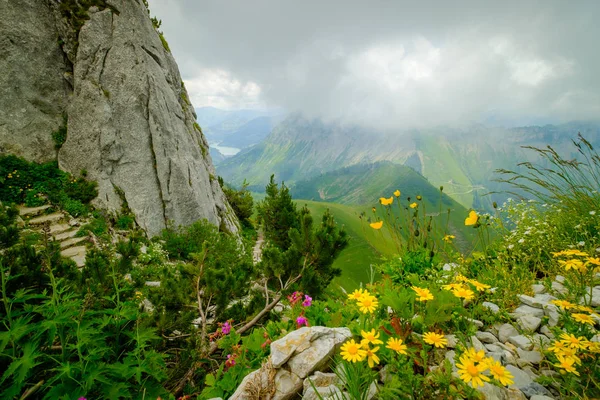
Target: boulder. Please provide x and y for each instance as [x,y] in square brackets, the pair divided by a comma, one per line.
[506,331]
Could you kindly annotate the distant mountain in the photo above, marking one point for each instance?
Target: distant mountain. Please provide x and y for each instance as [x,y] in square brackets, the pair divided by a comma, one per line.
[236,128]
[463,160]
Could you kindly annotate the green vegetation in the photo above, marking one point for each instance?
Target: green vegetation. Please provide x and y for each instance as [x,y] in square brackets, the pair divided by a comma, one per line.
[37,184]
[189,313]
[60,135]
[241,201]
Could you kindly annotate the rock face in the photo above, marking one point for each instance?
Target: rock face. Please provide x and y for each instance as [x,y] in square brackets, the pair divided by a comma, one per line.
[130,123]
[33,91]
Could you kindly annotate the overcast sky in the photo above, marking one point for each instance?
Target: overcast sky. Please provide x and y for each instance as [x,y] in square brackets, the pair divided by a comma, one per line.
[391,63]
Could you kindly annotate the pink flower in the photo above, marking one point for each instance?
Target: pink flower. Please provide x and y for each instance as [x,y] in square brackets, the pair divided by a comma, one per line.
[226,328]
[301,321]
[230,362]
[307,301]
[294,297]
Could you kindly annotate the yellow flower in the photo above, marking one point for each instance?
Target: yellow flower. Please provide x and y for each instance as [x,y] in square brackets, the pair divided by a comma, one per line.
[584,319]
[563,304]
[370,337]
[471,373]
[453,286]
[479,286]
[396,345]
[472,218]
[594,347]
[386,202]
[435,339]
[419,198]
[592,260]
[423,294]
[573,263]
[373,209]
[566,364]
[500,373]
[357,294]
[372,358]
[584,308]
[464,293]
[376,225]
[475,356]
[414,205]
[352,351]
[367,304]
[461,278]
[573,341]
[557,347]
[448,238]
[397,193]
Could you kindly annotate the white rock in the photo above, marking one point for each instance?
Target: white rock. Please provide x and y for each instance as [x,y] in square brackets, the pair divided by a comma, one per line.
[486,337]
[528,310]
[506,331]
[521,341]
[521,378]
[491,306]
[529,323]
[534,357]
[538,289]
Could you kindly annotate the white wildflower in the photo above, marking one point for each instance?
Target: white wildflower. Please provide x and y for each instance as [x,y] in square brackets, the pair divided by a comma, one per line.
[511,246]
[521,240]
[581,244]
[592,212]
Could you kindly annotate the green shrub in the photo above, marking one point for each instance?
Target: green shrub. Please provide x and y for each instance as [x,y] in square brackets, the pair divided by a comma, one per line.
[125,221]
[59,136]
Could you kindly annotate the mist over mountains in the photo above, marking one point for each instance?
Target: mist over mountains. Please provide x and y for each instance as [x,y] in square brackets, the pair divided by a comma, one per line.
[462,159]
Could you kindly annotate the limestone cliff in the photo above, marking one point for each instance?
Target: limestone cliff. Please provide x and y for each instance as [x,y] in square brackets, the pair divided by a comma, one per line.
[130,123]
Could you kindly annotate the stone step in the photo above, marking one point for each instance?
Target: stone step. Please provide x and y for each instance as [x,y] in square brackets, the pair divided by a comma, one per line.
[32,211]
[54,217]
[72,242]
[65,235]
[76,254]
[57,229]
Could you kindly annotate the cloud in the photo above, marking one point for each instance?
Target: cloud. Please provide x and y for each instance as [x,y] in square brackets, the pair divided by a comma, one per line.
[390,64]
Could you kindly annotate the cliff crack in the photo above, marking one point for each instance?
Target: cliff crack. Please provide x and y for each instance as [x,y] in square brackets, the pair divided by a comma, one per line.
[153,56]
[153,152]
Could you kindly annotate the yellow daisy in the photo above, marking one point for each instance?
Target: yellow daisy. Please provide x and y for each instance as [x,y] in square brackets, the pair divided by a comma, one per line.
[372,358]
[376,225]
[573,263]
[584,319]
[397,193]
[453,286]
[423,294]
[566,365]
[471,373]
[472,218]
[386,202]
[367,304]
[370,337]
[573,341]
[448,238]
[475,356]
[357,294]
[352,351]
[500,373]
[480,287]
[563,304]
[463,293]
[396,345]
[414,205]
[435,339]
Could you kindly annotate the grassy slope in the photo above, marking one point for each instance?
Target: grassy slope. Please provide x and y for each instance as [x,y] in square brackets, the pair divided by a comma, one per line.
[359,189]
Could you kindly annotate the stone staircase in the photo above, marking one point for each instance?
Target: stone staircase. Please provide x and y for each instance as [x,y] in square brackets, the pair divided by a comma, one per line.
[62,228]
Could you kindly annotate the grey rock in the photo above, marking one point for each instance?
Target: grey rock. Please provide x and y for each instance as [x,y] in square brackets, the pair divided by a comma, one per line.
[547,332]
[475,322]
[308,348]
[540,341]
[258,383]
[560,279]
[594,293]
[491,306]
[450,357]
[551,311]
[452,341]
[498,356]
[540,397]
[152,283]
[493,347]
[533,357]
[492,392]
[533,389]
[449,266]
[559,288]
[477,345]
[538,289]
[538,301]
[509,358]
[514,394]
[506,331]
[32,89]
[325,384]
[521,378]
[528,310]
[130,123]
[486,337]
[529,323]
[521,341]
